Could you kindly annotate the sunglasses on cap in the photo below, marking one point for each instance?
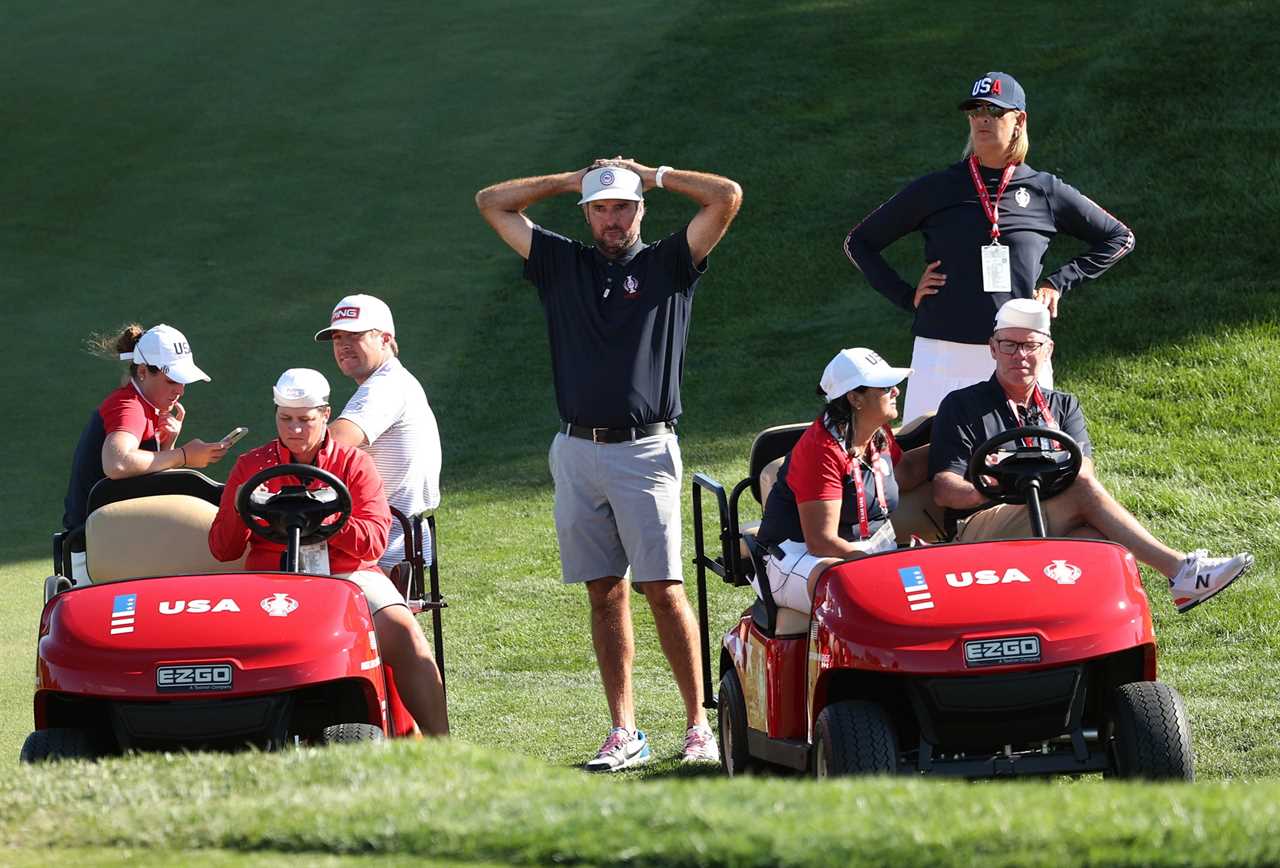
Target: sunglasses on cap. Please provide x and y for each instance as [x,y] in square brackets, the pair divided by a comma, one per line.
[993,111]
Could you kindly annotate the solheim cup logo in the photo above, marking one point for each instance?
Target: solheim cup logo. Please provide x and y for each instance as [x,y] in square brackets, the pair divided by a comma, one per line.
[1062,572]
[278,605]
[606,178]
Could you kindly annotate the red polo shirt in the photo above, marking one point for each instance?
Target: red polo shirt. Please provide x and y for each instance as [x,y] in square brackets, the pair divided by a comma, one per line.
[356,547]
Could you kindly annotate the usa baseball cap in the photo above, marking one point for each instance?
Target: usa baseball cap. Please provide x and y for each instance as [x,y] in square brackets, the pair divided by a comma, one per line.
[997,88]
[358,313]
[1023,313]
[859,366]
[611,182]
[164,347]
[301,388]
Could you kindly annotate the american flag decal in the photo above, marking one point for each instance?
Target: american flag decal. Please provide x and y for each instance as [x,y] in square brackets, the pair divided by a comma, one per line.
[916,589]
[123,608]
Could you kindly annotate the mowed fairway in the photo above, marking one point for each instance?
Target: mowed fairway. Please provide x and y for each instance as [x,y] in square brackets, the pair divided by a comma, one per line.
[234,169]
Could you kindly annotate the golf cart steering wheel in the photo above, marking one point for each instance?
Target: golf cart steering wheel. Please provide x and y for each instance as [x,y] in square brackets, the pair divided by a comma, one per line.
[294,506]
[1026,467]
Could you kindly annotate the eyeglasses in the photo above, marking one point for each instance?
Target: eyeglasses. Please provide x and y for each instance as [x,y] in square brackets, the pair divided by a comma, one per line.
[1011,347]
[993,111]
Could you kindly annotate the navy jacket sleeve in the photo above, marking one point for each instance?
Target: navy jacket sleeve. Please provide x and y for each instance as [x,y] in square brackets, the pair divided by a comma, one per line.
[1080,217]
[897,217]
[1074,425]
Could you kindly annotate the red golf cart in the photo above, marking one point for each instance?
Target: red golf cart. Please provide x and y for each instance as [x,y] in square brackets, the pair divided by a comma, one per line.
[1022,657]
[169,649]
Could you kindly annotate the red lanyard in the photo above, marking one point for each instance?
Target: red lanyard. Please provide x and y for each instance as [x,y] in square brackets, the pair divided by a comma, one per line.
[864,523]
[1045,416]
[992,210]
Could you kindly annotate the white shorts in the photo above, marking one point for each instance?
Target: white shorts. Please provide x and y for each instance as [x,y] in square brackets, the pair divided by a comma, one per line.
[618,508]
[377,589]
[941,367]
[789,576]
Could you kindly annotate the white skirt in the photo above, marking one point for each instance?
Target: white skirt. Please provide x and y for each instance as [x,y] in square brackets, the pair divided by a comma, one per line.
[941,367]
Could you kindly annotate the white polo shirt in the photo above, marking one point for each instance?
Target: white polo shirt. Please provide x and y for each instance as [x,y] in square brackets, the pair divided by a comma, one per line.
[392,410]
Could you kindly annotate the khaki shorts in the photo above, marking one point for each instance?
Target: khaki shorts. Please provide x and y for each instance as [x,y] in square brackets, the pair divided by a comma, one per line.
[1002,521]
[618,508]
[377,589]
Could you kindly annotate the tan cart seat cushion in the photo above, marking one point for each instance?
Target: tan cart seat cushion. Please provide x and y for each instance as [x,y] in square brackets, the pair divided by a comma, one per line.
[160,535]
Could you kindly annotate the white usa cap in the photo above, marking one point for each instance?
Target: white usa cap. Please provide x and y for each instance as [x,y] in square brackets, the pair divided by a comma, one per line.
[301,388]
[856,367]
[611,182]
[1023,313]
[358,313]
[166,348]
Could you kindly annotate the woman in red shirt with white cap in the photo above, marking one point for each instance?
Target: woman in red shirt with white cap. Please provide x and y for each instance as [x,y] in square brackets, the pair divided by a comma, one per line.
[135,428]
[840,483]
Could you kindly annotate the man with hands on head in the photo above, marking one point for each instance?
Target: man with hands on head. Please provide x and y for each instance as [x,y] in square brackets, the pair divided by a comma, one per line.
[1012,398]
[617,317]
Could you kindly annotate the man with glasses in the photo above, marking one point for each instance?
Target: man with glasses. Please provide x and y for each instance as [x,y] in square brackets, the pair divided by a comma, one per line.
[1012,398]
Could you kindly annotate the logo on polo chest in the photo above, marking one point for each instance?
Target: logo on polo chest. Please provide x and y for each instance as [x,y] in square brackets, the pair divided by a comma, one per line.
[1022,197]
[630,286]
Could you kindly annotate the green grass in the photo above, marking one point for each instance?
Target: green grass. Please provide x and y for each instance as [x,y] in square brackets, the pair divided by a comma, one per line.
[234,169]
[459,802]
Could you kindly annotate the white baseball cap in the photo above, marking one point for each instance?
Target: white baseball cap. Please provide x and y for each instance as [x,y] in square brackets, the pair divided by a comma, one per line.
[166,348]
[856,367]
[1023,313]
[611,182]
[358,313]
[301,388]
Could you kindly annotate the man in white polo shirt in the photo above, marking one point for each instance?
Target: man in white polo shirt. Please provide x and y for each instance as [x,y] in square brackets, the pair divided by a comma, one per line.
[388,416]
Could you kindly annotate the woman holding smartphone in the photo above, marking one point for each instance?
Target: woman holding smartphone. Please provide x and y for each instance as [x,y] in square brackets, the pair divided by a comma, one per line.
[135,429]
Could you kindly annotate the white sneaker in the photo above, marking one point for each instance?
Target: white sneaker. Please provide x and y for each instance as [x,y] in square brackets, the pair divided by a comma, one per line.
[622,749]
[700,745]
[1202,576]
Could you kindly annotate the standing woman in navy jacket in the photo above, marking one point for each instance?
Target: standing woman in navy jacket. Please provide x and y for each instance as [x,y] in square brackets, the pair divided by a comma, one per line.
[987,222]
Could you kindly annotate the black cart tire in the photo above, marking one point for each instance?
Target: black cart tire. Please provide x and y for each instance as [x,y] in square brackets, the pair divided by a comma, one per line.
[854,738]
[47,745]
[733,727]
[351,733]
[1151,734]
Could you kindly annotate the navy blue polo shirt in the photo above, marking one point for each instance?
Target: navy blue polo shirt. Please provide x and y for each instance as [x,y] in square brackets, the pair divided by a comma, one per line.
[944,208]
[971,416]
[617,328]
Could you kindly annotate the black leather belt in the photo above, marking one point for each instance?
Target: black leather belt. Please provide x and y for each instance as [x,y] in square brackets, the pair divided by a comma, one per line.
[616,435]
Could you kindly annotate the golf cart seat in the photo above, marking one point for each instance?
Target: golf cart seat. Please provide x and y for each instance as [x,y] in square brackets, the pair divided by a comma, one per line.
[153,525]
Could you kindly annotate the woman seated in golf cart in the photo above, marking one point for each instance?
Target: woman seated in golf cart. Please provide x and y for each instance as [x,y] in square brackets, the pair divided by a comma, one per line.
[302,418]
[839,485]
[135,428]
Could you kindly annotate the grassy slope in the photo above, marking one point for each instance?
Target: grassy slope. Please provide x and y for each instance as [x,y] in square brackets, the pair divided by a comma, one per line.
[188,165]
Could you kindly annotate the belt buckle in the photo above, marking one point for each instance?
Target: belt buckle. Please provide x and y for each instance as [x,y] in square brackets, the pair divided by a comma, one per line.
[598,433]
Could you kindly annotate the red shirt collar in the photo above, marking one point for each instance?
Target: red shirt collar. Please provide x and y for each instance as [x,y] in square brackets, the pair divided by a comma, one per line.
[327,447]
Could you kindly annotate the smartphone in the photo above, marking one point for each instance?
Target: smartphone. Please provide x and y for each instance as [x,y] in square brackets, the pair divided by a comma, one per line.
[234,437]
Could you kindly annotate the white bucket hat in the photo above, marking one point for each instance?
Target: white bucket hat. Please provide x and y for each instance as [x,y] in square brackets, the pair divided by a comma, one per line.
[611,182]
[166,348]
[859,366]
[358,313]
[1023,313]
[301,388]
